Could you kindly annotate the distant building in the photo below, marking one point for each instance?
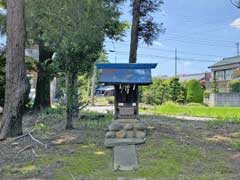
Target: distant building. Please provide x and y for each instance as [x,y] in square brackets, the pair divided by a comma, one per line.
[105,91]
[201,77]
[198,76]
[223,71]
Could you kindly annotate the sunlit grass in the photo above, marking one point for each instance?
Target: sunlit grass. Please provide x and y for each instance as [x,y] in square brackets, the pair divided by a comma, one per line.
[225,113]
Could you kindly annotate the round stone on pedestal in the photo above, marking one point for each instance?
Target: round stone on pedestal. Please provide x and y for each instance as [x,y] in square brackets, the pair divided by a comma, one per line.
[140,126]
[140,134]
[115,127]
[130,134]
[110,134]
[121,134]
[128,126]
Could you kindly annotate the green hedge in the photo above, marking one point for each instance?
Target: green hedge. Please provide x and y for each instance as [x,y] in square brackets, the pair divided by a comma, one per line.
[234,85]
[194,91]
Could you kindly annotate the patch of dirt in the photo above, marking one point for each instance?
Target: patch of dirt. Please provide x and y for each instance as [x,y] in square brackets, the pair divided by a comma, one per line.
[219,138]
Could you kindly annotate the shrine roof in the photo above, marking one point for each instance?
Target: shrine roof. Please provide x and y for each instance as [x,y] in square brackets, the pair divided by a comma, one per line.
[127,66]
[126,73]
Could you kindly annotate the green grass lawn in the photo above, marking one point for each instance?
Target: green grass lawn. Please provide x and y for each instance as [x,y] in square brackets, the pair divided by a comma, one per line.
[227,113]
[174,150]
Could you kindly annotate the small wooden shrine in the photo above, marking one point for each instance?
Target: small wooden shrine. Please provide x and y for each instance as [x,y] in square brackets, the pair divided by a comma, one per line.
[126,79]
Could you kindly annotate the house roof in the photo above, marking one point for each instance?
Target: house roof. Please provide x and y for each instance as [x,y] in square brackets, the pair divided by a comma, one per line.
[227,61]
[126,73]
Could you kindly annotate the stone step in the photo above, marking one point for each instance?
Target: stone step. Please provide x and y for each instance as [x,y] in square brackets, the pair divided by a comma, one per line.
[112,142]
[125,158]
[127,120]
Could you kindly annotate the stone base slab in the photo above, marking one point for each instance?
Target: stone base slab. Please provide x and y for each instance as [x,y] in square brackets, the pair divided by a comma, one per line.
[125,158]
[112,142]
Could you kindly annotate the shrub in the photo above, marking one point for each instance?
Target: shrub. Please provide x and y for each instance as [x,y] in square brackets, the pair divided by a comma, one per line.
[171,104]
[215,86]
[234,85]
[163,90]
[194,91]
[207,93]
[195,104]
[174,89]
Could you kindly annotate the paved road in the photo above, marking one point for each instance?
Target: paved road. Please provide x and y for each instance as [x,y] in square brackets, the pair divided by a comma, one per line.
[107,109]
[100,109]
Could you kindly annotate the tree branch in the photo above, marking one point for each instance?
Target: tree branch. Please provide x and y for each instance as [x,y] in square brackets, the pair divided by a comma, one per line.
[235,4]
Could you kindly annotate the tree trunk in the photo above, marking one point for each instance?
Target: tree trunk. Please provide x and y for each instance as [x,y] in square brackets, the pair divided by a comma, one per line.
[134,31]
[75,97]
[88,89]
[93,85]
[16,80]
[71,97]
[42,98]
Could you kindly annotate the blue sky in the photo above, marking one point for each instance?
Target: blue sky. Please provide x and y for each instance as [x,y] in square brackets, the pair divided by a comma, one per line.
[203,31]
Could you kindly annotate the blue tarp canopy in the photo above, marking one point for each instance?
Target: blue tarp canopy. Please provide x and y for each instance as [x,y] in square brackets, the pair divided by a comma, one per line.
[126,73]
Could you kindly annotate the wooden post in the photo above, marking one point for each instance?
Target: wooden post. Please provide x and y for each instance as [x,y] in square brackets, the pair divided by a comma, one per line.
[115,102]
[137,103]
[93,85]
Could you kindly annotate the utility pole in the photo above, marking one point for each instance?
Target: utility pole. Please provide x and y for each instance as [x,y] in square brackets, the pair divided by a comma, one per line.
[237,44]
[176,58]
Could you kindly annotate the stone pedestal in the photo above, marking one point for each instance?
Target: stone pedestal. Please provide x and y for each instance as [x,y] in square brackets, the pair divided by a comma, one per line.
[125,132]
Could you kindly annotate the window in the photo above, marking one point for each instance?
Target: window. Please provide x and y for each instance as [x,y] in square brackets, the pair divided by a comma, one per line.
[229,74]
[219,75]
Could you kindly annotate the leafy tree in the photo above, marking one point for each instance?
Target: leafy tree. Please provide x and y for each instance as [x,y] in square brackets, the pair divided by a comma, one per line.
[194,91]
[234,85]
[16,80]
[143,25]
[39,33]
[80,42]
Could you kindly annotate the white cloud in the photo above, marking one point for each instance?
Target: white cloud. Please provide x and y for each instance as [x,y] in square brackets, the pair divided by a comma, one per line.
[236,23]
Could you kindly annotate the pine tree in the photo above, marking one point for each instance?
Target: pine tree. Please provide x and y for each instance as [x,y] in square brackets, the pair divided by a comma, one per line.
[143,25]
[16,80]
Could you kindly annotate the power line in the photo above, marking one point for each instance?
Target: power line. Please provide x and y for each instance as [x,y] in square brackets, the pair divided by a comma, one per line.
[168,50]
[197,38]
[167,57]
[197,43]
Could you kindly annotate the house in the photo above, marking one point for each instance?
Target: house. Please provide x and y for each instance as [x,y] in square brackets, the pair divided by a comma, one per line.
[203,78]
[198,76]
[224,71]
